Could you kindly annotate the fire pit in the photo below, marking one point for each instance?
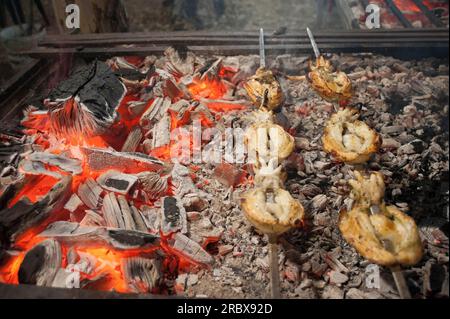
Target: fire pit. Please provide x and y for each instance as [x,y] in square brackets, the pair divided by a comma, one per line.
[127,175]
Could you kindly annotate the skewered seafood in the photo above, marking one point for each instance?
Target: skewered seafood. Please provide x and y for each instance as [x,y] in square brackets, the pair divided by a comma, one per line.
[264,89]
[349,139]
[267,140]
[331,86]
[382,234]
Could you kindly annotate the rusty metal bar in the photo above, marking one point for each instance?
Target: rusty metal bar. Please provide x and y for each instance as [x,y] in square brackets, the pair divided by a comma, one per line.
[430,15]
[398,13]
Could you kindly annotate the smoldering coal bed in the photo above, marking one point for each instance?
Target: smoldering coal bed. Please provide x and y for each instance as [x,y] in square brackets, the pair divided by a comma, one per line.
[109,209]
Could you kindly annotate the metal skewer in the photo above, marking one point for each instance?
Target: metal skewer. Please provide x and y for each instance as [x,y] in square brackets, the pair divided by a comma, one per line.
[274,269]
[262,50]
[400,282]
[313,43]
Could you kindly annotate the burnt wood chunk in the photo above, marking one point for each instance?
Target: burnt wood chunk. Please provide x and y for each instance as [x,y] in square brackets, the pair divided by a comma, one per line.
[74,233]
[92,218]
[129,223]
[89,193]
[142,275]
[138,219]
[103,159]
[112,212]
[66,164]
[23,215]
[173,216]
[73,203]
[191,249]
[86,102]
[117,182]
[41,263]
[133,140]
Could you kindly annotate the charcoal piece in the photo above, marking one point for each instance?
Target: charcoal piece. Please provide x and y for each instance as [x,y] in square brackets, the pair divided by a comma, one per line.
[89,193]
[173,216]
[117,182]
[191,249]
[41,264]
[130,74]
[133,140]
[103,159]
[112,212]
[24,214]
[86,102]
[93,219]
[74,233]
[64,163]
[142,275]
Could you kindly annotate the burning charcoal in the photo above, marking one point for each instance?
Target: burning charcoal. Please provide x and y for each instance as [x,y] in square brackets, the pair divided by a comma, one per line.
[69,165]
[86,103]
[173,216]
[73,233]
[138,220]
[152,218]
[161,132]
[37,169]
[112,212]
[93,219]
[153,184]
[126,213]
[193,202]
[41,263]
[155,112]
[142,275]
[73,203]
[133,140]
[136,108]
[182,181]
[179,64]
[228,174]
[24,214]
[89,193]
[102,159]
[191,249]
[117,182]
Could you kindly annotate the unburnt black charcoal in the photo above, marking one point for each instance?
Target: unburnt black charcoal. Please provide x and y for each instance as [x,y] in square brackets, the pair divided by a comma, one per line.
[86,103]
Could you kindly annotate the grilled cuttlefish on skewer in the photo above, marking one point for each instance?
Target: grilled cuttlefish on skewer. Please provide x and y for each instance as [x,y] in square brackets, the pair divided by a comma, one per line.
[329,84]
[348,139]
[268,207]
[266,139]
[382,234]
[264,89]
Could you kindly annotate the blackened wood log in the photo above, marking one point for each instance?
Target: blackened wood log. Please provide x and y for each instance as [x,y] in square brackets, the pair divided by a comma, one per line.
[85,103]
[41,263]
[74,233]
[23,215]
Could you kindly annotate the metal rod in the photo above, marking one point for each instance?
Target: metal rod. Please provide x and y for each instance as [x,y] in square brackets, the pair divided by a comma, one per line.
[429,14]
[313,43]
[262,49]
[398,13]
[400,282]
[275,291]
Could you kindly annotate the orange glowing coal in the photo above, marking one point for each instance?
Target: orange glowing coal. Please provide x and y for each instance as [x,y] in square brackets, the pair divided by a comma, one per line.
[207,89]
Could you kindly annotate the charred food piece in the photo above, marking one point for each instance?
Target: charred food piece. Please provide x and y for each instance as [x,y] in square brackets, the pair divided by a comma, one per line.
[348,139]
[264,89]
[382,234]
[86,103]
[330,85]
